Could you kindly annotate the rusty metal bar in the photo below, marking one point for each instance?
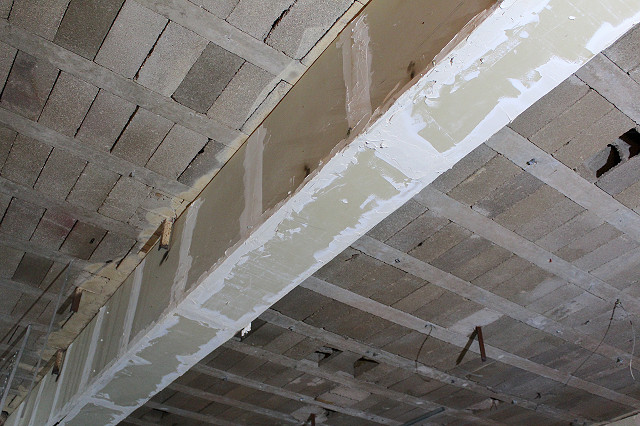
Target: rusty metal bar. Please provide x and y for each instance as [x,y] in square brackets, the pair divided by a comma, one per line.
[483,354]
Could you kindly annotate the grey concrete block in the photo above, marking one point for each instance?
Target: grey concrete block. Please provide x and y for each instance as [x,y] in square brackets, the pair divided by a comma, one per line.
[550,219]
[220,8]
[486,260]
[595,138]
[208,77]
[304,24]
[7,56]
[570,231]
[620,177]
[485,180]
[7,136]
[397,220]
[141,137]
[124,199]
[256,17]
[4,203]
[464,168]
[28,85]
[508,269]
[41,17]
[266,106]
[630,196]
[25,160]
[59,174]
[9,261]
[589,242]
[423,227]
[446,238]
[530,208]
[206,162]
[53,229]
[82,240]
[134,22]
[105,120]
[624,52]
[92,187]
[32,269]
[176,152]
[581,115]
[21,219]
[242,96]
[514,190]
[86,24]
[173,55]
[5,8]
[68,104]
[549,106]
[606,253]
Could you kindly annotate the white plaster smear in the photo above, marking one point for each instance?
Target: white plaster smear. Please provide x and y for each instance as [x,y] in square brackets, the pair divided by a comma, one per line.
[470,94]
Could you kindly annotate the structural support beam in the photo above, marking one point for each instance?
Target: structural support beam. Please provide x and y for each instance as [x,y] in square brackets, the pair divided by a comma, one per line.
[309,181]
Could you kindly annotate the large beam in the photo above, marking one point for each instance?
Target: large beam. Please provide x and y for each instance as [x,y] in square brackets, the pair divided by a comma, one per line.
[377,118]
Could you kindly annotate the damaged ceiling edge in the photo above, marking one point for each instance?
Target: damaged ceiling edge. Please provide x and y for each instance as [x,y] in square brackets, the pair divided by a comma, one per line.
[403,151]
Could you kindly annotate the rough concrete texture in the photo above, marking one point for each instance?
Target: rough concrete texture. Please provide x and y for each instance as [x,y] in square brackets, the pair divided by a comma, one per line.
[124,198]
[25,161]
[304,24]
[208,77]
[82,240]
[60,173]
[143,134]
[92,187]
[28,85]
[133,22]
[176,151]
[7,55]
[175,52]
[257,17]
[220,8]
[625,51]
[206,162]
[53,229]
[42,17]
[85,25]
[21,219]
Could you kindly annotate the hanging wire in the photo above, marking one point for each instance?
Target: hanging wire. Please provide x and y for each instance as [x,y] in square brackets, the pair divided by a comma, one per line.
[633,346]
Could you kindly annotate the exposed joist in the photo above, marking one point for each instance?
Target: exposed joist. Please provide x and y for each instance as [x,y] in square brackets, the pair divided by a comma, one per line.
[103,78]
[45,252]
[218,399]
[205,418]
[450,282]
[27,289]
[451,209]
[243,381]
[560,177]
[308,367]
[381,355]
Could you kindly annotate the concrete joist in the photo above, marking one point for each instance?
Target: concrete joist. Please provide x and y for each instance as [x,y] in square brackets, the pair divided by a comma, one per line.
[309,181]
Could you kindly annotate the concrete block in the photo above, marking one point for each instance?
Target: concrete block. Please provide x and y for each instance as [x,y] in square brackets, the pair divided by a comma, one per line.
[417,231]
[9,261]
[464,168]
[220,8]
[624,52]
[393,291]
[173,55]
[256,17]
[59,174]
[414,301]
[21,219]
[92,187]
[447,310]
[505,196]
[446,238]
[86,24]
[7,136]
[113,247]
[508,269]
[4,203]
[68,104]
[241,97]
[486,260]
[305,23]
[7,56]
[620,177]
[300,303]
[206,163]
[461,253]
[53,229]
[41,17]
[594,139]
[32,269]
[549,220]
[570,231]
[28,85]
[5,8]
[208,77]
[589,242]
[581,115]
[141,137]
[176,151]
[124,199]
[554,298]
[524,287]
[406,214]
[485,180]
[82,240]
[630,196]
[105,120]
[25,160]
[550,106]
[134,22]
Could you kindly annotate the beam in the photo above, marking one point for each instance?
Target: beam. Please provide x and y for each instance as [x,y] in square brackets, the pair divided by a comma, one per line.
[274,390]
[204,418]
[404,262]
[451,209]
[309,367]
[380,355]
[292,197]
[411,322]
